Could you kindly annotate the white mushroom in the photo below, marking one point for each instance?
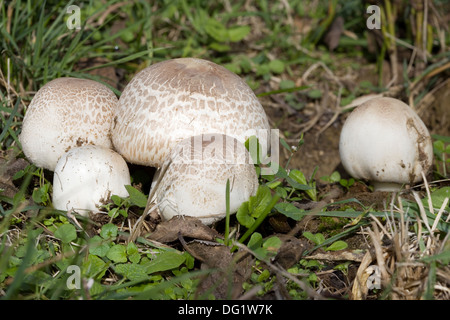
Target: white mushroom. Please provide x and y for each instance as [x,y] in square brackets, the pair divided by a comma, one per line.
[195,175]
[384,141]
[86,177]
[66,113]
[180,98]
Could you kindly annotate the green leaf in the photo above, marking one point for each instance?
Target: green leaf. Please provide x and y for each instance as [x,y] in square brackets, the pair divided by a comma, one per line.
[335,176]
[132,271]
[236,34]
[276,66]
[255,241]
[264,249]
[137,198]
[289,210]
[98,246]
[216,30]
[221,47]
[113,213]
[253,146]
[117,253]
[336,246]
[133,253]
[259,202]
[443,257]
[317,238]
[116,200]
[315,94]
[437,197]
[298,176]
[243,215]
[109,231]
[94,267]
[303,184]
[272,245]
[166,260]
[66,233]
[250,210]
[41,195]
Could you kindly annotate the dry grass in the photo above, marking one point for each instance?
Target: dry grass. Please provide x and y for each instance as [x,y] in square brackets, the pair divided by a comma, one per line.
[407,256]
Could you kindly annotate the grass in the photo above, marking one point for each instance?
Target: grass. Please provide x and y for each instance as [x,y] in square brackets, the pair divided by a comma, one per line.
[279,49]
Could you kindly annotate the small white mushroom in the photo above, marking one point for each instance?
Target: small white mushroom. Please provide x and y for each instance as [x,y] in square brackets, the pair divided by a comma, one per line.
[195,174]
[384,141]
[86,177]
[174,99]
[66,113]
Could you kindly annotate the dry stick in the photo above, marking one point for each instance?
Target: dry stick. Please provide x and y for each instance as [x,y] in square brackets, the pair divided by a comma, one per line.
[149,207]
[376,238]
[284,273]
[422,212]
[427,188]
[438,216]
[424,31]
[360,289]
[338,110]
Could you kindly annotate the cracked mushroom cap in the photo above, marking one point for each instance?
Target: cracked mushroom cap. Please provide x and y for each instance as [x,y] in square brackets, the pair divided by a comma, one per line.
[384,141]
[174,99]
[194,183]
[66,113]
[86,177]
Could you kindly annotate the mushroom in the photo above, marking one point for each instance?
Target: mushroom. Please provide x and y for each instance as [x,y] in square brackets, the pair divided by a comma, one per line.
[66,113]
[85,178]
[384,141]
[194,177]
[174,99]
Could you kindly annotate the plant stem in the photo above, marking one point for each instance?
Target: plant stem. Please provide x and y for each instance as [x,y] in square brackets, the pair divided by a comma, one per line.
[227,217]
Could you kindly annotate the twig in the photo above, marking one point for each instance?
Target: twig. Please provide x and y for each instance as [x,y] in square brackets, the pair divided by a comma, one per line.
[150,204]
[284,273]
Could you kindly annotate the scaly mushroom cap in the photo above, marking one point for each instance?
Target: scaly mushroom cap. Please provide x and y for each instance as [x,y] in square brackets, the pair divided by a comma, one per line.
[86,177]
[66,113]
[194,183]
[384,141]
[180,98]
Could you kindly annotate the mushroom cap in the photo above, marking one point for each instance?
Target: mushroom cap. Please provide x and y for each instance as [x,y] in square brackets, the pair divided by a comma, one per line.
[385,141]
[198,168]
[86,177]
[66,113]
[174,99]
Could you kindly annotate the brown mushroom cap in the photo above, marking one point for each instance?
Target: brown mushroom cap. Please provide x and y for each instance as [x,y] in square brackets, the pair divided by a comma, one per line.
[66,113]
[175,99]
[194,182]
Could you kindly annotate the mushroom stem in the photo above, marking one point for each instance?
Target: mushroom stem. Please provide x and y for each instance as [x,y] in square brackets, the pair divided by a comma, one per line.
[386,186]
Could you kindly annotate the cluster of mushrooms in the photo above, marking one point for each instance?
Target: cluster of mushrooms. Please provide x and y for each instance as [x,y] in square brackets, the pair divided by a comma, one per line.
[187,117]
[190,118]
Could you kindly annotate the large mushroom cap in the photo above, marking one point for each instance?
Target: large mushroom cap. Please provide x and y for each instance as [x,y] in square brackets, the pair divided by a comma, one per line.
[384,141]
[86,177]
[198,168]
[179,98]
[66,113]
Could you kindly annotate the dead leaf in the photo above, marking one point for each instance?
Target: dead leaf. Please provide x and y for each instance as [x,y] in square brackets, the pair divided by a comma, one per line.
[231,269]
[334,33]
[291,250]
[188,227]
